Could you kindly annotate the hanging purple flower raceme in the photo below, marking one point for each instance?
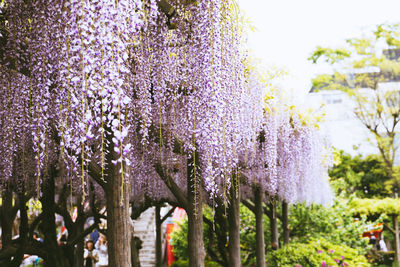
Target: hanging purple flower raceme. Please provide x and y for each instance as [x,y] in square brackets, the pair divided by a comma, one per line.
[15,134]
[206,105]
[30,53]
[290,160]
[98,78]
[113,77]
[303,169]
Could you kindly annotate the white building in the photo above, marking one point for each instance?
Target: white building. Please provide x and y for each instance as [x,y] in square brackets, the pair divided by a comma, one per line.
[341,125]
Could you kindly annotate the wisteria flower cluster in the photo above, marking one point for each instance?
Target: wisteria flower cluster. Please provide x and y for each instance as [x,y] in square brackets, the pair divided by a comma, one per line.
[291,160]
[111,82]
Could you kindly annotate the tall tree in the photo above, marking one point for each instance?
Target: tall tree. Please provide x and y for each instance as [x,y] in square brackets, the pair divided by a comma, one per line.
[291,164]
[369,71]
[118,82]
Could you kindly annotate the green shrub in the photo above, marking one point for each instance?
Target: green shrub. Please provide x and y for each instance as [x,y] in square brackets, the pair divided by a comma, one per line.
[180,263]
[185,263]
[316,253]
[336,224]
[247,237]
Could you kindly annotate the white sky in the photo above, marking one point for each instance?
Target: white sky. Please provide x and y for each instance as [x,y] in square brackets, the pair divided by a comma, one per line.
[287,31]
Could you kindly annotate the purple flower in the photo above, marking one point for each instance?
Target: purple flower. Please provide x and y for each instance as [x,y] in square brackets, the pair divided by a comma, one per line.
[331,251]
[319,251]
[323,264]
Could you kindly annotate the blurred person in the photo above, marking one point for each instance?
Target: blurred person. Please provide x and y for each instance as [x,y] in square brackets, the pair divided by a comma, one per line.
[90,255]
[36,237]
[102,249]
[382,245]
[94,235]
[62,236]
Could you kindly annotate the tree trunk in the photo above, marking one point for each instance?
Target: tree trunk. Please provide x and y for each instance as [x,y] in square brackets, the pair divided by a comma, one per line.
[23,231]
[79,251]
[285,222]
[6,219]
[396,239]
[234,226]
[80,227]
[273,224]
[195,215]
[136,245]
[119,230]
[260,246]
[221,231]
[55,255]
[158,236]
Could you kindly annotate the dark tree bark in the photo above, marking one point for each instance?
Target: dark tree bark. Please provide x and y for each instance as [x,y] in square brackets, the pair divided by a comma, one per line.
[119,229]
[80,246]
[273,224]
[23,230]
[55,255]
[193,204]
[396,239]
[136,245]
[158,236]
[234,225]
[260,246]
[221,230]
[79,251]
[6,217]
[285,222]
[195,215]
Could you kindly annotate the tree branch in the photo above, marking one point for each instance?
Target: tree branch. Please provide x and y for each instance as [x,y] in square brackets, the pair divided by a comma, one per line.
[33,249]
[387,226]
[82,235]
[35,223]
[249,205]
[94,171]
[172,186]
[168,214]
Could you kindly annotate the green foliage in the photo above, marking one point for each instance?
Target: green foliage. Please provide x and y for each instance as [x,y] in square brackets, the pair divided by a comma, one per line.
[389,206]
[366,177]
[390,33]
[179,241]
[247,236]
[185,263]
[335,224]
[365,53]
[336,81]
[365,64]
[318,252]
[375,65]
[330,55]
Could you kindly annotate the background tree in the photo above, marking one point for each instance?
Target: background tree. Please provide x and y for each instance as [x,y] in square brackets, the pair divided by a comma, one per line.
[365,69]
[366,177]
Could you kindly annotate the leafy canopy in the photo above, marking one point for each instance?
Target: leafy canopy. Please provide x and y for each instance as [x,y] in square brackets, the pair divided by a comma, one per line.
[365,177]
[388,206]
